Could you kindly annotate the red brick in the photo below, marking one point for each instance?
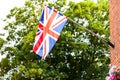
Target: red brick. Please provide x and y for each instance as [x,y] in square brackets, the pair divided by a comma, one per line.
[114,10]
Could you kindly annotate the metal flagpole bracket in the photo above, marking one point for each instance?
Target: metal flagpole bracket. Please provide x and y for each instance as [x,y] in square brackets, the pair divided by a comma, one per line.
[111,44]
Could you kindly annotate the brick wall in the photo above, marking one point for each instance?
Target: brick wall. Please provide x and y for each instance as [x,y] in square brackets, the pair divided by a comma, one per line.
[114,9]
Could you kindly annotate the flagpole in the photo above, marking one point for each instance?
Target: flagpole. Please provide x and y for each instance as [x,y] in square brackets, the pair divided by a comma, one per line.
[108,42]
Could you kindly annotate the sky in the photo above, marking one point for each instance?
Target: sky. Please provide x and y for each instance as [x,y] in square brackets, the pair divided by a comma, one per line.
[5,6]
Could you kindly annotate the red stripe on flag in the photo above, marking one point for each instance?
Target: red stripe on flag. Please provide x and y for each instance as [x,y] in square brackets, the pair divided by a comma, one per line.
[40,26]
[46,13]
[59,21]
[44,52]
[35,48]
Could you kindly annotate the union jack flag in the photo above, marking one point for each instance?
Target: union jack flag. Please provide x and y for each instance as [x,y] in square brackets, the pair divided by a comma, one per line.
[49,28]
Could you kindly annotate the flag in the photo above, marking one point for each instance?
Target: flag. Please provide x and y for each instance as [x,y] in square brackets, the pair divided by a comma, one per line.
[50,26]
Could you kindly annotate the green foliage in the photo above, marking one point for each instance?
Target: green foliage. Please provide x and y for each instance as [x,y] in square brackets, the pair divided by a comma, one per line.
[1,42]
[5,63]
[77,55]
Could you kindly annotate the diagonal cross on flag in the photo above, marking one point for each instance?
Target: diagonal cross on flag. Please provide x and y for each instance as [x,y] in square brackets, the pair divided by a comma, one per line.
[49,28]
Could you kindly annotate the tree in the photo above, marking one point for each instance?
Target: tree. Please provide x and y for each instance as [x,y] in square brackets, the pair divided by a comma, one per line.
[77,55]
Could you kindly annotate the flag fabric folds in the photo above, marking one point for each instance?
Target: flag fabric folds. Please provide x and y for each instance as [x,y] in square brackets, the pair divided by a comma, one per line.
[50,26]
